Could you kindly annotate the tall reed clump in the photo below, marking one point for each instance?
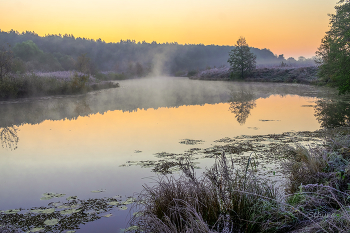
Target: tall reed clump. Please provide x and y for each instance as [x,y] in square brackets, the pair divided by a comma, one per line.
[224,199]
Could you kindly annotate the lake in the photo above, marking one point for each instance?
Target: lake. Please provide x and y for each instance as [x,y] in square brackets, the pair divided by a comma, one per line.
[76,144]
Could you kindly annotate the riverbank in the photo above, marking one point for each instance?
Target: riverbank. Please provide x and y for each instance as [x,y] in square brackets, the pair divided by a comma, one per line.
[305,75]
[53,83]
[227,198]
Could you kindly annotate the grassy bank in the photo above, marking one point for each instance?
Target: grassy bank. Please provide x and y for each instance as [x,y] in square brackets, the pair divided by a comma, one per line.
[305,75]
[225,198]
[44,84]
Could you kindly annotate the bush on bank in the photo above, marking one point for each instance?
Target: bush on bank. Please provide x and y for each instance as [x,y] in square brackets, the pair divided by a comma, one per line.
[31,84]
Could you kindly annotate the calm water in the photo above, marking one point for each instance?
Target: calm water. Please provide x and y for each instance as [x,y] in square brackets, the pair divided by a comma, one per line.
[76,144]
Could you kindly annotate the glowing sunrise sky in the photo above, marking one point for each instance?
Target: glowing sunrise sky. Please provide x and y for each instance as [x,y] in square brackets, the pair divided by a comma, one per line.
[289,27]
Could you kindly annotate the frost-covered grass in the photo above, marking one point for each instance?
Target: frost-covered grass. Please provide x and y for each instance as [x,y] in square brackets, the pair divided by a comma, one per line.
[227,199]
[53,83]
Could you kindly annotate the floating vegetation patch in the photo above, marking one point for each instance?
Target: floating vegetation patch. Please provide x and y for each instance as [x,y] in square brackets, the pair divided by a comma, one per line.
[71,198]
[14,211]
[51,222]
[48,196]
[267,148]
[123,207]
[254,128]
[191,141]
[137,151]
[43,211]
[98,191]
[61,216]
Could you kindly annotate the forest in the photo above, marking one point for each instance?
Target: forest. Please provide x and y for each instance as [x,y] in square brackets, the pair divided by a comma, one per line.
[64,52]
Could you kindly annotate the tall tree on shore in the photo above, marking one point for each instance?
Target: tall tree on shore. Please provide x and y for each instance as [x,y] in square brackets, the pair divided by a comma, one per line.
[241,60]
[334,52]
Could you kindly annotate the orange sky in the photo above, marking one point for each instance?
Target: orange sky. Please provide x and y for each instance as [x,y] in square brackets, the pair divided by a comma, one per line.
[292,28]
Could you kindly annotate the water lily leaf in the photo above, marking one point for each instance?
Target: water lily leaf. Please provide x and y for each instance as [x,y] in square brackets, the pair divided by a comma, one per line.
[107,215]
[14,211]
[129,201]
[56,204]
[48,196]
[70,211]
[70,231]
[51,222]
[36,229]
[72,198]
[123,207]
[113,203]
[43,211]
[117,197]
[98,191]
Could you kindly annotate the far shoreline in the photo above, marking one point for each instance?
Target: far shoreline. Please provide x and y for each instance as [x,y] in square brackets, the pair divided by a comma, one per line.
[302,75]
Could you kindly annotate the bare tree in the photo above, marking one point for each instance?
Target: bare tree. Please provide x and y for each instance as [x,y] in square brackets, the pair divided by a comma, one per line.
[6,57]
[242,61]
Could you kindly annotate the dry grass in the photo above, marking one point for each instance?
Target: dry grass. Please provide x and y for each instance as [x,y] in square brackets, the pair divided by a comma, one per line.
[222,200]
[225,199]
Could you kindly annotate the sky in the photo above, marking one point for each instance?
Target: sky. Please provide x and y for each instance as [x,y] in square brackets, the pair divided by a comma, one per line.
[293,28]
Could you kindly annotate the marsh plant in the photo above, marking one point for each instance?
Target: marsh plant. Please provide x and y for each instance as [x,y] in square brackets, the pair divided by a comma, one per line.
[235,199]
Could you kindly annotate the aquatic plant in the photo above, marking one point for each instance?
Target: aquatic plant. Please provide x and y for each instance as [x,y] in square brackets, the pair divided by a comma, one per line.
[60,216]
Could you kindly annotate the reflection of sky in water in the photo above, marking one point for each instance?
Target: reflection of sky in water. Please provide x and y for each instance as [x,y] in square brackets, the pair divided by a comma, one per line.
[84,154]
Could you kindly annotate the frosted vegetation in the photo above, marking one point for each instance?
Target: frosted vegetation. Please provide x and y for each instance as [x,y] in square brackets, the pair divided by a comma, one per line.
[61,214]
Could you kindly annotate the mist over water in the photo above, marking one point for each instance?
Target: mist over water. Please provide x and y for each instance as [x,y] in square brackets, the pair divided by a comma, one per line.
[75,144]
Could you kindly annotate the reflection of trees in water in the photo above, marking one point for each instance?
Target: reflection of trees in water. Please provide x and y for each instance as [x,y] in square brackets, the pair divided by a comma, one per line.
[332,113]
[82,108]
[240,104]
[9,138]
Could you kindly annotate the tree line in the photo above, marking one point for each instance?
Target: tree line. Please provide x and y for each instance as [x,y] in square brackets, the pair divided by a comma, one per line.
[64,52]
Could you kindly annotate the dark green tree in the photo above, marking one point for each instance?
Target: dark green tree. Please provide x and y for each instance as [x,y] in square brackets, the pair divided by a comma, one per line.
[241,60]
[333,55]
[27,51]
[5,61]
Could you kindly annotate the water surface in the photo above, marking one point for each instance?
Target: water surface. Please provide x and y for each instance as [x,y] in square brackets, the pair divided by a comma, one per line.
[75,144]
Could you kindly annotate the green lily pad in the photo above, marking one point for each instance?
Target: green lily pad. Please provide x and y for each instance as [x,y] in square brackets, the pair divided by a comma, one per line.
[36,229]
[43,211]
[123,207]
[48,196]
[113,203]
[72,198]
[69,211]
[98,191]
[107,215]
[70,231]
[129,201]
[14,211]
[51,222]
